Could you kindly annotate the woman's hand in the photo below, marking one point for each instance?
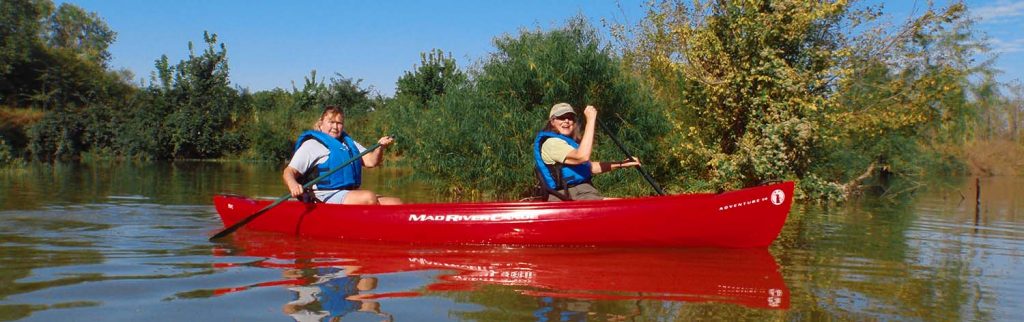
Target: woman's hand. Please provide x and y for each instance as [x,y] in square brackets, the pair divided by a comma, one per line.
[602,167]
[631,162]
[386,140]
[590,113]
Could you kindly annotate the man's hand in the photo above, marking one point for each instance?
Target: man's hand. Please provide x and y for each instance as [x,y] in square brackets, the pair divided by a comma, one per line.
[295,189]
[291,180]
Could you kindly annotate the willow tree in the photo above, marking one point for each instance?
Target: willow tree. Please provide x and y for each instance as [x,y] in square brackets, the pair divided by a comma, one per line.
[906,108]
[748,84]
[772,90]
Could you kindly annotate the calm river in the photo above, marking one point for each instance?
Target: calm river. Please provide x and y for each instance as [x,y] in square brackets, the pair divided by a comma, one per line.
[128,242]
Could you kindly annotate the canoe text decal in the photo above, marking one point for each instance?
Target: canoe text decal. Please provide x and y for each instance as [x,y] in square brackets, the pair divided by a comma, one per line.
[744,203]
[453,217]
[777,198]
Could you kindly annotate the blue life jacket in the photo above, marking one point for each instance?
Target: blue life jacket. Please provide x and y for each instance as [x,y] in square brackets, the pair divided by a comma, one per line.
[571,174]
[342,150]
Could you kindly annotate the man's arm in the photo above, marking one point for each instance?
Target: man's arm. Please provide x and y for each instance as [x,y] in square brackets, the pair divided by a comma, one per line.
[302,160]
[376,157]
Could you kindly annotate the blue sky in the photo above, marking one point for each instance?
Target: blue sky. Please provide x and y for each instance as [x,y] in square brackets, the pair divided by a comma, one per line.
[275,43]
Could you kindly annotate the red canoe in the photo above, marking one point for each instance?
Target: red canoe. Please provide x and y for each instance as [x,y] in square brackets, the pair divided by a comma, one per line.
[749,217]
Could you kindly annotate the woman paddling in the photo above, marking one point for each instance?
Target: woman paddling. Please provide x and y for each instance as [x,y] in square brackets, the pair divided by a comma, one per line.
[562,156]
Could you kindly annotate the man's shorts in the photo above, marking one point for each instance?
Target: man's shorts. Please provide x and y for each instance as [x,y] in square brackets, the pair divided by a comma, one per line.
[332,196]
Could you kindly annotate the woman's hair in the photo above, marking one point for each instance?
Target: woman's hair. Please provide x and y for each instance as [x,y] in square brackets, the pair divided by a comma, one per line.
[576,135]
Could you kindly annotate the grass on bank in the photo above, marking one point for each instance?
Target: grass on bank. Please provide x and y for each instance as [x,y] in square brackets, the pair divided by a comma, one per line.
[19,117]
[994,158]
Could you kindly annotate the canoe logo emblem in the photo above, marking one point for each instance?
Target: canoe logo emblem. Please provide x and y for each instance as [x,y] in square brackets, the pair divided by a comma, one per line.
[778,197]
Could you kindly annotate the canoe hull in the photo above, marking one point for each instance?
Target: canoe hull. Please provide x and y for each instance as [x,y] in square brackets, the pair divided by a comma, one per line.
[751,217]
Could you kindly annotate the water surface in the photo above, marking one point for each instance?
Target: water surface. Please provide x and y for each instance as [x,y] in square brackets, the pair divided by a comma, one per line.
[123,241]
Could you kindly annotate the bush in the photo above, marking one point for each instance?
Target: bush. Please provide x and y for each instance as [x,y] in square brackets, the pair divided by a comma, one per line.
[56,136]
[475,139]
[7,157]
[268,143]
[143,134]
[270,121]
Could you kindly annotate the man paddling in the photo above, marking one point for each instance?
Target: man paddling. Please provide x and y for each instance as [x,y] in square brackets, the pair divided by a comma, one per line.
[319,150]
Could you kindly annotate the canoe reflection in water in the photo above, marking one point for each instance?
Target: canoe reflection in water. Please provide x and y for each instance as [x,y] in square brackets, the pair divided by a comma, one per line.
[333,278]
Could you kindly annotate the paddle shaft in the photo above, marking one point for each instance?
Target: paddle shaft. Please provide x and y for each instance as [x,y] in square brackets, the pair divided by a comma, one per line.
[629,157]
[242,222]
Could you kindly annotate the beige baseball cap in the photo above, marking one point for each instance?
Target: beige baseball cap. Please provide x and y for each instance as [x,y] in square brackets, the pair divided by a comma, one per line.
[560,109]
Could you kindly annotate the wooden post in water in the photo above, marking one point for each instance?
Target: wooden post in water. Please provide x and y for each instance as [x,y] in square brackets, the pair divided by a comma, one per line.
[977,198]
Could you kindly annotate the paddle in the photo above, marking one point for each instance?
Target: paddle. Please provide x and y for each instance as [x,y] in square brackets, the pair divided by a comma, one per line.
[242,222]
[630,158]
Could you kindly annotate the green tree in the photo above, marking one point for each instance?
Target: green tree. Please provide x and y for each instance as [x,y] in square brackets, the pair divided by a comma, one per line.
[63,72]
[769,90]
[339,90]
[907,109]
[349,94]
[83,32]
[20,25]
[203,104]
[749,82]
[52,58]
[435,76]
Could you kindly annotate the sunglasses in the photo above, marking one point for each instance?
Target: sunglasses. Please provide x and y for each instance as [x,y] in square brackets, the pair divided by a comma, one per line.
[566,117]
